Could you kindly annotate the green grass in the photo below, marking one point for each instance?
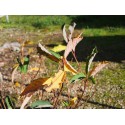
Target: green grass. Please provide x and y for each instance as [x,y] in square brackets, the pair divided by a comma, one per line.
[34,22]
[108,34]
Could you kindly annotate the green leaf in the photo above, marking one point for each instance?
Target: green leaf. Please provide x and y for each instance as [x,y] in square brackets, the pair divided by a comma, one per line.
[77,77]
[41,104]
[8,102]
[55,54]
[65,103]
[92,80]
[23,67]
[90,59]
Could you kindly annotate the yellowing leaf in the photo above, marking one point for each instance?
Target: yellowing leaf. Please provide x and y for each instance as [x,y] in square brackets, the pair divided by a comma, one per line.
[97,68]
[17,84]
[59,48]
[57,81]
[15,65]
[30,50]
[34,69]
[36,84]
[73,101]
[13,73]
[68,67]
[28,42]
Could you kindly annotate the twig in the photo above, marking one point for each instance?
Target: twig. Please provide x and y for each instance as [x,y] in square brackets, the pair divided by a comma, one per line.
[56,101]
[80,98]
[37,71]
[75,58]
[3,103]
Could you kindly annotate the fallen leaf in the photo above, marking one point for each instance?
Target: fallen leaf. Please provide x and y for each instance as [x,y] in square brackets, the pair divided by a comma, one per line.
[97,68]
[17,84]
[41,104]
[57,81]
[13,73]
[28,43]
[73,101]
[34,69]
[31,50]
[36,84]
[26,100]
[1,77]
[2,64]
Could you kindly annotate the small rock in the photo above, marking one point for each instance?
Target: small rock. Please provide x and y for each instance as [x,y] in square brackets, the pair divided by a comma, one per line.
[15,46]
[2,64]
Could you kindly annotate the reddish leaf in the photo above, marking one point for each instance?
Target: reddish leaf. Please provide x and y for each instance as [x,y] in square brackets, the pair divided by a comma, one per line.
[36,84]
[72,45]
[48,53]
[97,68]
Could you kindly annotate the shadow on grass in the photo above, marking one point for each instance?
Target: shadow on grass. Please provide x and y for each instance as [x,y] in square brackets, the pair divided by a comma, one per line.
[98,21]
[101,104]
[110,48]
[96,103]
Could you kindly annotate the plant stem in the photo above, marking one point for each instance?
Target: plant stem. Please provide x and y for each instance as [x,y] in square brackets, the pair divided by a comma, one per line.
[57,98]
[80,98]
[75,58]
[37,71]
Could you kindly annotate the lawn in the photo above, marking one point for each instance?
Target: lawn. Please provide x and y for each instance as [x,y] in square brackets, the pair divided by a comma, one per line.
[107,33]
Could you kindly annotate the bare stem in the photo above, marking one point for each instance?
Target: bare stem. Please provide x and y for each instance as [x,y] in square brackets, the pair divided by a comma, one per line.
[57,98]
[80,98]
[75,58]
[37,71]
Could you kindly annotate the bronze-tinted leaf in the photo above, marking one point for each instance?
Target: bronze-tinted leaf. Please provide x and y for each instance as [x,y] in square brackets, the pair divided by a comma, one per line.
[36,84]
[72,45]
[47,53]
[97,68]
